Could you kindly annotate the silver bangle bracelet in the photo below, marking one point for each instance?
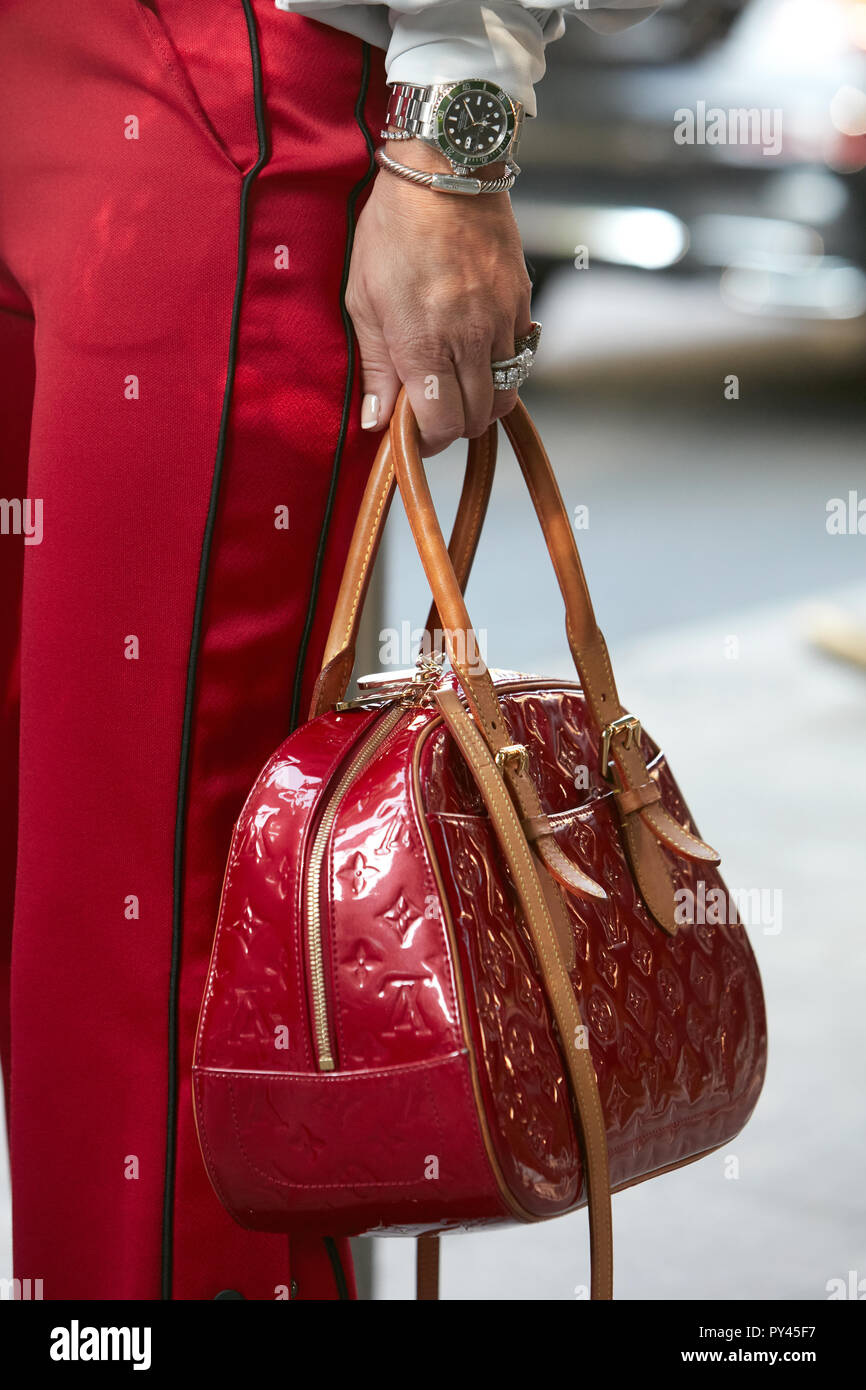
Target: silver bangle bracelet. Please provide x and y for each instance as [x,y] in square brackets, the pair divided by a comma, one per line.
[444,183]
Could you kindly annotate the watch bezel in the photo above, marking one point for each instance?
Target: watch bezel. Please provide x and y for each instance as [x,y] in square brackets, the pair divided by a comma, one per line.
[451,151]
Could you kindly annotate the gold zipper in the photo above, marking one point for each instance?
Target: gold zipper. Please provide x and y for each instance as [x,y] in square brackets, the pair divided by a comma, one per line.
[414,693]
[363,755]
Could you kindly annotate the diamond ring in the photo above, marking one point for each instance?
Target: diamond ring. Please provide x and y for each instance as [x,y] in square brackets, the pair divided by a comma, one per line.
[513,371]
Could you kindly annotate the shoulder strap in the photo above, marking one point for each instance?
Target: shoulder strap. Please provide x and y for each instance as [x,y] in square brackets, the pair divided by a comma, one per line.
[427,1269]
[536,904]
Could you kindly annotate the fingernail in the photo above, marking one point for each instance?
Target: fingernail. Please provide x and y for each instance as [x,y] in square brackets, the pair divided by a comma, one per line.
[369,412]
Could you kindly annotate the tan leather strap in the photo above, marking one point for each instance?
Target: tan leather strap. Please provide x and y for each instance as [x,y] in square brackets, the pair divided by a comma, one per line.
[557,984]
[427,1269]
[535,826]
[339,657]
[469,519]
[646,828]
[636,797]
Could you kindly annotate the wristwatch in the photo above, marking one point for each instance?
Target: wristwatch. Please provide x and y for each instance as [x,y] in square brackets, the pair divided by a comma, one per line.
[473,122]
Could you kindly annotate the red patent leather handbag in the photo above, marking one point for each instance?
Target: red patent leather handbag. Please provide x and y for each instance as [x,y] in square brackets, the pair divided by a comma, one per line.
[455,981]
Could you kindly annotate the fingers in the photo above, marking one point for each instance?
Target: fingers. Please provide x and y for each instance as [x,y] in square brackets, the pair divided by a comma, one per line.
[428,375]
[473,356]
[444,361]
[437,402]
[380,384]
[503,347]
[450,383]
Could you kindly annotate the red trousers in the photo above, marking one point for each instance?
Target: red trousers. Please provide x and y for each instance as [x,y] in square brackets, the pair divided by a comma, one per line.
[181,180]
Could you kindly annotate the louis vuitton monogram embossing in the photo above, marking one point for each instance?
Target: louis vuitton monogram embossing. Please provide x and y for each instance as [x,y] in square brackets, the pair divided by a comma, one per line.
[442,947]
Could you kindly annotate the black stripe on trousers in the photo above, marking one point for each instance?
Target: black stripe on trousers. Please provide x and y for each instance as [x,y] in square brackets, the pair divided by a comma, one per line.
[169,1184]
[192,670]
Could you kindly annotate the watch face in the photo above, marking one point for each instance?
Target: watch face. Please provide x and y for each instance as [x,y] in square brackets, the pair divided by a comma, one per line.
[475,123]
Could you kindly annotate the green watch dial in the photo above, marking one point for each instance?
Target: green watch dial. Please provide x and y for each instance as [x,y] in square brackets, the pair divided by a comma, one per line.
[475,123]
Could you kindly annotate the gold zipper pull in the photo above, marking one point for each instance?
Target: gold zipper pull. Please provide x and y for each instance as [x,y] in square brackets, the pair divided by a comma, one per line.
[413,686]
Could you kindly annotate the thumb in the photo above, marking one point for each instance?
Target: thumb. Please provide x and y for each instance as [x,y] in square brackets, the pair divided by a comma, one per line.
[380,383]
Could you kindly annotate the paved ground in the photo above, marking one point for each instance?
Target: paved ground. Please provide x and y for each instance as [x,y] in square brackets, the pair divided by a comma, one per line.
[757,746]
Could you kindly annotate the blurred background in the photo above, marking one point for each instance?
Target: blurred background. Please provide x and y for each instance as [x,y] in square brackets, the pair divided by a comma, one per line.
[736,618]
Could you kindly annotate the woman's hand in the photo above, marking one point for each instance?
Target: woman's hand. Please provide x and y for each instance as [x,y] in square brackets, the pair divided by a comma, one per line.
[437,290]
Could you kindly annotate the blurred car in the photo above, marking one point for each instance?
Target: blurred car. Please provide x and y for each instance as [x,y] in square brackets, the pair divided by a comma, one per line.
[724,138]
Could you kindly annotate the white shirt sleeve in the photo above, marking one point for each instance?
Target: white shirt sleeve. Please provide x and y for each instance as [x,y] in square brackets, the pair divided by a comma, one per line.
[446,40]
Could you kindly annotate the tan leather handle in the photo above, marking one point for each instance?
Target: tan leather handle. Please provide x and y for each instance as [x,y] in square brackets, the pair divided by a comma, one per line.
[469,521]
[647,825]
[464,651]
[339,657]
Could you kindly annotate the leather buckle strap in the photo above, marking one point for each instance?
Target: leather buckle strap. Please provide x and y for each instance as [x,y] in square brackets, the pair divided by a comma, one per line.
[536,826]
[624,767]
[627,724]
[512,752]
[635,798]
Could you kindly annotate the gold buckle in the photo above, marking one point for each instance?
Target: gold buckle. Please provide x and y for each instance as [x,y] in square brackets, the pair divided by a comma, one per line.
[630,724]
[513,750]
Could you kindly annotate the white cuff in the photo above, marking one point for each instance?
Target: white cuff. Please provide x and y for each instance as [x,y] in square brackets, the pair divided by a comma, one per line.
[502,43]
